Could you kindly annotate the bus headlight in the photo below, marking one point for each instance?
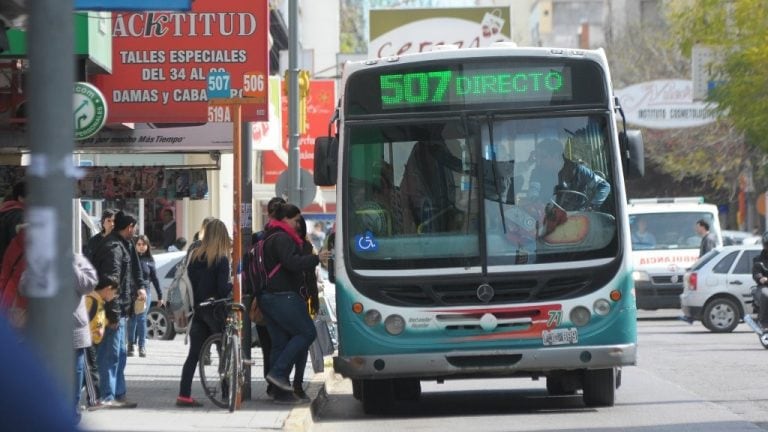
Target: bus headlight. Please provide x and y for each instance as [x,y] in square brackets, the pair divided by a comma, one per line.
[372,317]
[601,307]
[580,316]
[640,276]
[394,324]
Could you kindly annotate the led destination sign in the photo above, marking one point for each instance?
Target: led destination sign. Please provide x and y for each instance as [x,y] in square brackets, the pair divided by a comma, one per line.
[468,87]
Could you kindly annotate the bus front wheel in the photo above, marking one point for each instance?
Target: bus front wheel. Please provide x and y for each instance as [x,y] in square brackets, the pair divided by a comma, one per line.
[378,396]
[599,387]
[407,389]
[357,389]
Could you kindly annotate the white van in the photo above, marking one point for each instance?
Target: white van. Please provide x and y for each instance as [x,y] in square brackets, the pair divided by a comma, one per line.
[665,244]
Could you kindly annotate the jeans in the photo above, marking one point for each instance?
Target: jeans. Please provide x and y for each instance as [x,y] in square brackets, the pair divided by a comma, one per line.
[79,373]
[137,326]
[290,328]
[111,358]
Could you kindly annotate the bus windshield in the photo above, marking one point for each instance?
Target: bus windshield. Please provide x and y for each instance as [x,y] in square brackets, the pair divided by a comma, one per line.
[421,193]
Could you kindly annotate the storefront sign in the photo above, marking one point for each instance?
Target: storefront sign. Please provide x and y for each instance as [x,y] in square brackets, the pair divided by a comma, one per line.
[136,5]
[90,110]
[320,105]
[664,104]
[161,61]
[404,31]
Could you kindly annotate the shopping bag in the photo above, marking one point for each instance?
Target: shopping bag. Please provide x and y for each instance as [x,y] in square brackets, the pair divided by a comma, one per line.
[492,23]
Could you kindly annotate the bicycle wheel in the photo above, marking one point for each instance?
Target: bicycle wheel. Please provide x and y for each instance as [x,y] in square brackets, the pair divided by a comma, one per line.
[234,368]
[212,368]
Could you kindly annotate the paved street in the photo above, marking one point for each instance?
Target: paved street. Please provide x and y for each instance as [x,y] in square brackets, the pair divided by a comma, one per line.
[153,382]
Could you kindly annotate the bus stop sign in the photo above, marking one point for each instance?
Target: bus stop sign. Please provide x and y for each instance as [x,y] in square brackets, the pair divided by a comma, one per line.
[307,188]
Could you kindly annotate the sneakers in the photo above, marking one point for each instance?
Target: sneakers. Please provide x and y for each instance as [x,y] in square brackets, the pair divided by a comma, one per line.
[142,352]
[271,389]
[288,398]
[130,350]
[119,404]
[98,406]
[187,402]
[299,393]
[279,382]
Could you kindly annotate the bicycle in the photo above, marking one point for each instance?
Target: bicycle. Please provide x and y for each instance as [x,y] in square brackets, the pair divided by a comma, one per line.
[221,358]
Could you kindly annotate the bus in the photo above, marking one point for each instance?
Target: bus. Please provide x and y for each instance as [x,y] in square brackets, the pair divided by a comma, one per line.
[459,251]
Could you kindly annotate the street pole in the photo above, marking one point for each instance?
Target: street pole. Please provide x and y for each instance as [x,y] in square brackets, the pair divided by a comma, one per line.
[49,282]
[294,170]
[246,229]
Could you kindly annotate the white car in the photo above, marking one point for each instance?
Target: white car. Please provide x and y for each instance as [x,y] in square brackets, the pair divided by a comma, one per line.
[717,288]
[159,322]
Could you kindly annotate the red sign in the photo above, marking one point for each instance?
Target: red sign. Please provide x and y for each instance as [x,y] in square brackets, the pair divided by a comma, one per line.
[320,105]
[161,60]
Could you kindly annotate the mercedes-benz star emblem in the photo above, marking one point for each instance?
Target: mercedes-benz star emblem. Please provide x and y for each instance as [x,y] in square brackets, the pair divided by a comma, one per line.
[485,293]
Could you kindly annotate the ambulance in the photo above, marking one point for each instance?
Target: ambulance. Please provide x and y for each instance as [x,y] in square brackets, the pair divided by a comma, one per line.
[665,244]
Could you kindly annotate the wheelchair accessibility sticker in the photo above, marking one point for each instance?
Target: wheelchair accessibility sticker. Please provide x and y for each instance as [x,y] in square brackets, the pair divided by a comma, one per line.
[366,242]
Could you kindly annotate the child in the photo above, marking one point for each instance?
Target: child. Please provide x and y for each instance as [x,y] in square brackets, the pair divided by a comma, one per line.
[137,325]
[97,319]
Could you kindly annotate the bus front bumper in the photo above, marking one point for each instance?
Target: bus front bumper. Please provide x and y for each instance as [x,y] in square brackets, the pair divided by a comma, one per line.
[478,364]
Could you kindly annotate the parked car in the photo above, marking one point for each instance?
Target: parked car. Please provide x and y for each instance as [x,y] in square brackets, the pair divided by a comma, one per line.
[739,237]
[717,288]
[159,321]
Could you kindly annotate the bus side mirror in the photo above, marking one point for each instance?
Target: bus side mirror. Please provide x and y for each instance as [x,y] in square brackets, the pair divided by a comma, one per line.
[632,153]
[326,158]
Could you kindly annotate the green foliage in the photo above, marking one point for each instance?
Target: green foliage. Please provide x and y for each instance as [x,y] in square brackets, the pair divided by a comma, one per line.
[738,29]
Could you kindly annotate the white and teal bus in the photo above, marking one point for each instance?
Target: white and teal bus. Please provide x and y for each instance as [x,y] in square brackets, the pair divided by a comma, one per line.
[460,251]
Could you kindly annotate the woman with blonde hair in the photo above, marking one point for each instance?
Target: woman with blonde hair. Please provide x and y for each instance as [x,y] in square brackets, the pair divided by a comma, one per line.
[209,273]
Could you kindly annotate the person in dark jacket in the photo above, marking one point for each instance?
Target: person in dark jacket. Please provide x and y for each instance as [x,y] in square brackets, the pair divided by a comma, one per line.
[118,264]
[137,325]
[290,326]
[760,276]
[210,275]
[12,214]
[107,224]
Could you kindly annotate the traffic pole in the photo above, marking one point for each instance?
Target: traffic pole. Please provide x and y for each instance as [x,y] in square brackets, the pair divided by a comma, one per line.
[237,249]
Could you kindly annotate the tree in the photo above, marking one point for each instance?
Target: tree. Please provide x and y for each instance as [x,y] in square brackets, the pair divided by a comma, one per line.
[738,29]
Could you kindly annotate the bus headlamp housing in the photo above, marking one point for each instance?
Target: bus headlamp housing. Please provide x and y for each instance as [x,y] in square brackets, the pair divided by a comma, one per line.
[372,317]
[580,316]
[394,324]
[601,307]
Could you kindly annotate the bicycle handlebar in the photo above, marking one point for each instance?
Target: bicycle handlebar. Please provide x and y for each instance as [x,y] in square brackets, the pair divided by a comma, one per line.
[228,301]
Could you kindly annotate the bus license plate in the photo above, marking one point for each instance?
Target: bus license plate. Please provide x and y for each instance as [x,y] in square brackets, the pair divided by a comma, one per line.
[560,336]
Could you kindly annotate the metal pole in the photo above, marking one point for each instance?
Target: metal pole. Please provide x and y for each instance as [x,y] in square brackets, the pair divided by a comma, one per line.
[50,131]
[294,170]
[246,229]
[237,251]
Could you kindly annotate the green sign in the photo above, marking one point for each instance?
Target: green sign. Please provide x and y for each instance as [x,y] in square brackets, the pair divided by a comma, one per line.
[90,110]
[446,87]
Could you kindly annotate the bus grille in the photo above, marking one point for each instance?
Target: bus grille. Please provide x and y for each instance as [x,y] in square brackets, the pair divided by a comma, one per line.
[505,292]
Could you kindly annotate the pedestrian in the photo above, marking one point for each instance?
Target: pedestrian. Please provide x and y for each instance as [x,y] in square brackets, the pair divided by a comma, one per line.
[12,214]
[760,276]
[13,304]
[97,324]
[137,325]
[290,327]
[107,224]
[117,263]
[317,237]
[708,240]
[199,235]
[210,274]
[311,296]
[265,342]
[169,229]
[85,281]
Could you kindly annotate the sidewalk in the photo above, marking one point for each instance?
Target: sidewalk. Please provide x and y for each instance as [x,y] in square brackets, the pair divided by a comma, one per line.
[153,382]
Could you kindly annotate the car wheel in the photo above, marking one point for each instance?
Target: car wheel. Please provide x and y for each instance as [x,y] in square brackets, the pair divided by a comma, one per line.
[721,315]
[159,324]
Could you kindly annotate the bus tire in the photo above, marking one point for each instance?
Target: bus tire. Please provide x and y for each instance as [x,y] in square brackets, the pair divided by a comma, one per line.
[357,389]
[562,384]
[407,389]
[599,387]
[378,396]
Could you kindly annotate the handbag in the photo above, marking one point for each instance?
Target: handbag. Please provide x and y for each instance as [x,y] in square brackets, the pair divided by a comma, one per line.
[255,314]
